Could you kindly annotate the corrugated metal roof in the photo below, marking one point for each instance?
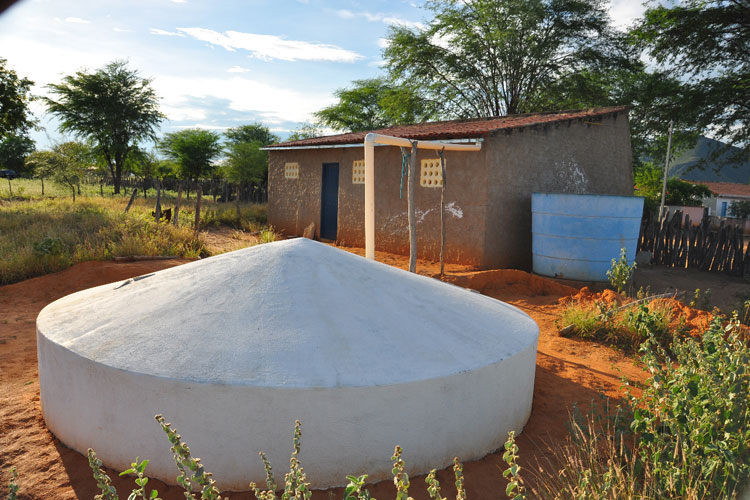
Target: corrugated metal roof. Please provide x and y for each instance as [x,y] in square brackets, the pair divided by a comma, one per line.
[457,128]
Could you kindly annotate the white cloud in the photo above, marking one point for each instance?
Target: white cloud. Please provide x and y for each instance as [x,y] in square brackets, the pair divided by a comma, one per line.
[270,101]
[157,31]
[268,47]
[238,69]
[76,20]
[624,12]
[122,30]
[380,18]
[383,43]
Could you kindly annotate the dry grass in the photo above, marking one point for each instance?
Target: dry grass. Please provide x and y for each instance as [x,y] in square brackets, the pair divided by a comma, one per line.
[39,236]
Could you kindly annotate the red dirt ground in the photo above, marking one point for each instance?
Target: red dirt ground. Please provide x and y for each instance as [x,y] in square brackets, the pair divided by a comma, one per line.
[568,371]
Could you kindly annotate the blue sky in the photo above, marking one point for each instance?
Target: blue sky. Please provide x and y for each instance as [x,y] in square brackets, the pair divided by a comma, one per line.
[215,64]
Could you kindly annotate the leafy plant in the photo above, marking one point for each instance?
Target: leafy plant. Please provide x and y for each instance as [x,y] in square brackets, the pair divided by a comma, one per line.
[49,246]
[295,481]
[515,489]
[138,468]
[355,490]
[192,473]
[108,492]
[13,484]
[620,273]
[693,418]
[701,300]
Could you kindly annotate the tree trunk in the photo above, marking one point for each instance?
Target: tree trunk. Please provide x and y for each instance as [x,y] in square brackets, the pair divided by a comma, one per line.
[117,176]
[188,191]
[177,205]
[145,187]
[101,189]
[73,188]
[198,194]
[213,189]
[157,215]
[78,185]
[442,214]
[10,188]
[239,213]
[42,179]
[412,209]
[132,197]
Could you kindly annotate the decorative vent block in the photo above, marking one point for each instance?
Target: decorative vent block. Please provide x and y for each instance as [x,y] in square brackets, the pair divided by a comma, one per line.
[431,175]
[291,170]
[358,172]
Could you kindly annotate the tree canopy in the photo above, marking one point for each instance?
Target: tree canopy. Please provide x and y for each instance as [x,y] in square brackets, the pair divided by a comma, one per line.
[66,163]
[16,119]
[15,96]
[254,132]
[246,163]
[649,180]
[113,108]
[490,58]
[305,131]
[706,43]
[194,150]
[375,103]
[14,148]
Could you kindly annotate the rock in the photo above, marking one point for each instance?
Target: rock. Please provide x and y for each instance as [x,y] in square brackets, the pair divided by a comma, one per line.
[309,232]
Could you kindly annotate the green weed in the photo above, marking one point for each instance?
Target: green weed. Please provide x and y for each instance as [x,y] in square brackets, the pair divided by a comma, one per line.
[621,273]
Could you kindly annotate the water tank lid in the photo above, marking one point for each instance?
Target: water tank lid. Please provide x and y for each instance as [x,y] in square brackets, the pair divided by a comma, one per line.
[293,313]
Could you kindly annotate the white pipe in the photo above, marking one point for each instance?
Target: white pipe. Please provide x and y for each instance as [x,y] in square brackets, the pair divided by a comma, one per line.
[370,140]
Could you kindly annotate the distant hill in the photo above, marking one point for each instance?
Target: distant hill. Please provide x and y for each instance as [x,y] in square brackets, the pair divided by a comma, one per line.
[732,172]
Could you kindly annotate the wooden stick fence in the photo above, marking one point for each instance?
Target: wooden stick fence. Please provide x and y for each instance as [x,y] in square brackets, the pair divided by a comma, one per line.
[676,242]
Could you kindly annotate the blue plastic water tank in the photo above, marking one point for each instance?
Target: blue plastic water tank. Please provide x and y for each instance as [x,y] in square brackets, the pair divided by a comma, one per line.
[576,236]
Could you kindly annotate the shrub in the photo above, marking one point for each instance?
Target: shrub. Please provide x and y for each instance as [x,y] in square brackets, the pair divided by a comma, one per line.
[581,319]
[13,484]
[37,237]
[620,273]
[688,433]
[693,418]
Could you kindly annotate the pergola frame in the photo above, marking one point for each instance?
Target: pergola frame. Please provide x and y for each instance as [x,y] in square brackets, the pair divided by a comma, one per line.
[370,140]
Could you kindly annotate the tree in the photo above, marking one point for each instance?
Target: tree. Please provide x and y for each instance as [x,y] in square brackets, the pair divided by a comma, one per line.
[246,163]
[15,115]
[113,108]
[706,44]
[15,120]
[66,163]
[14,148]
[255,132]
[375,103]
[740,209]
[649,179]
[490,58]
[305,131]
[194,151]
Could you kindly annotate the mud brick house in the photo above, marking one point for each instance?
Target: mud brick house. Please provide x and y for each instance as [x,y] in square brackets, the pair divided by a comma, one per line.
[488,193]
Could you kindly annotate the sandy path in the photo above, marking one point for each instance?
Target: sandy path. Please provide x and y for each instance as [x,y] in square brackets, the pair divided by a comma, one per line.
[568,371]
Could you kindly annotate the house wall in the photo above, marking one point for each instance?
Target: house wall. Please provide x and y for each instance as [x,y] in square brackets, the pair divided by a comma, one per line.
[295,203]
[578,157]
[488,193]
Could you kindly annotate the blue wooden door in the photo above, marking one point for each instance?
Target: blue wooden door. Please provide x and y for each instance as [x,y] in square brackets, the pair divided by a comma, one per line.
[329,210]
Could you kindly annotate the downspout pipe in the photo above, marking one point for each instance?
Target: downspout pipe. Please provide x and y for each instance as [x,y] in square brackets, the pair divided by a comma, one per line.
[370,140]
